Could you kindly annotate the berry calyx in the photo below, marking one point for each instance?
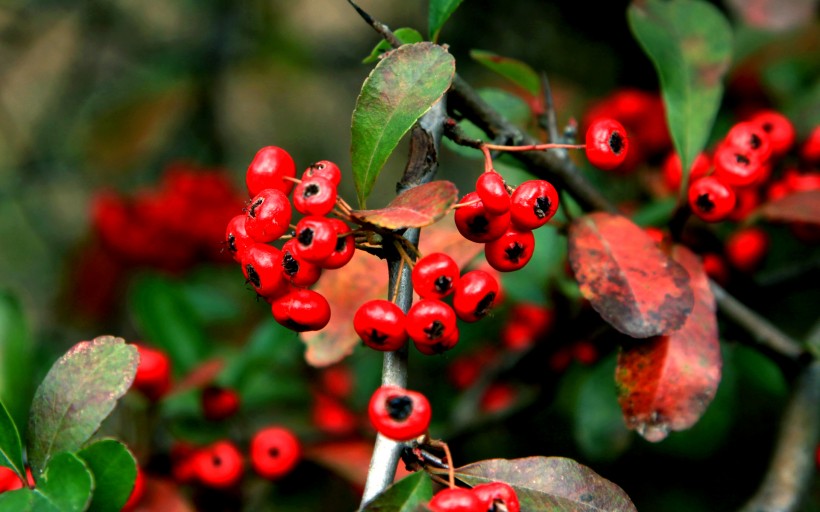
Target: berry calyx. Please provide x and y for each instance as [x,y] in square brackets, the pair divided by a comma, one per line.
[261,267]
[344,249]
[315,238]
[268,215]
[435,276]
[218,465]
[236,238]
[511,251]
[711,199]
[274,452]
[456,499]
[606,143]
[533,204]
[478,225]
[296,270]
[153,377]
[738,167]
[268,168]
[492,190]
[301,310]
[431,322]
[219,403]
[494,494]
[315,196]
[381,325]
[475,295]
[398,413]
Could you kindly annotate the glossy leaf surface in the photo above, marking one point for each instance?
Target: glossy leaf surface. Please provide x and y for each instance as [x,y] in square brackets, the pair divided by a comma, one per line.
[114,470]
[414,208]
[801,206]
[439,12]
[11,448]
[666,383]
[628,280]
[404,34]
[520,73]
[66,483]
[406,495]
[15,359]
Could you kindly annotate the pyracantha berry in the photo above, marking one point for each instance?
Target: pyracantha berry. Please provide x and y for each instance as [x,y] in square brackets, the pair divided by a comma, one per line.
[810,150]
[345,247]
[333,417]
[398,413]
[296,270]
[261,267]
[606,143]
[301,310]
[267,170]
[136,492]
[315,238]
[153,377]
[475,295]
[492,190]
[779,129]
[673,170]
[315,196]
[497,493]
[533,204]
[274,452]
[435,276]
[236,238]
[219,403]
[746,248]
[478,225]
[751,139]
[219,465]
[431,322]
[511,251]
[381,325]
[268,215]
[711,199]
[456,499]
[325,169]
[439,346]
[738,167]
[9,480]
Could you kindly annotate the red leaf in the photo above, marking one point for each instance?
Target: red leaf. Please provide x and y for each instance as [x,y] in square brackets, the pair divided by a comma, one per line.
[628,280]
[549,483]
[162,496]
[667,382]
[801,206]
[348,459]
[415,208]
[200,376]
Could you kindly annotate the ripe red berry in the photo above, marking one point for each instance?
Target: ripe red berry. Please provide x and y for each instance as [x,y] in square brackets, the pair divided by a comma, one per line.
[440,346]
[274,452]
[267,169]
[673,171]
[136,492]
[431,322]
[381,325]
[345,247]
[219,403]
[268,216]
[296,270]
[333,417]
[492,190]
[9,481]
[475,295]
[810,150]
[746,248]
[218,465]
[715,267]
[398,413]
[497,493]
[236,238]
[533,204]
[153,377]
[325,169]
[301,310]
[456,499]
[315,238]
[606,143]
[476,224]
[711,199]
[262,269]
[751,139]
[315,196]
[737,167]
[779,129]
[511,251]
[435,276]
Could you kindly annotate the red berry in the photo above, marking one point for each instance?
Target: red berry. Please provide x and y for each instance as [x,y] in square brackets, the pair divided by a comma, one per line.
[315,196]
[747,200]
[435,276]
[715,267]
[476,224]
[219,403]
[262,269]
[606,143]
[801,181]
[492,190]
[711,199]
[332,417]
[301,310]
[268,216]
[810,150]
[475,295]
[456,500]
[345,247]
[315,238]
[274,452]
[533,204]
[746,248]
[431,322]
[218,465]
[9,481]
[237,238]
[751,139]
[673,171]
[325,169]
[737,167]
[779,129]
[439,347]
[398,413]
[511,251]
[497,493]
[296,270]
[498,396]
[136,492]
[267,170]
[381,325]
[655,234]
[153,377]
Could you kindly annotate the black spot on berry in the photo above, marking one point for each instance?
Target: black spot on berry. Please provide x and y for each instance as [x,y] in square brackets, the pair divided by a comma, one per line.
[311,190]
[541,207]
[443,284]
[704,203]
[273,452]
[232,243]
[616,143]
[767,127]
[217,460]
[478,224]
[340,243]
[256,204]
[253,276]
[305,237]
[377,338]
[484,305]
[515,252]
[742,159]
[754,141]
[399,407]
[290,264]
[435,330]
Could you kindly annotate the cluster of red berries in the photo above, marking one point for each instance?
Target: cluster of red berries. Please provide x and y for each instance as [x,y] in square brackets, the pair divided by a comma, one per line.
[172,226]
[487,497]
[282,276]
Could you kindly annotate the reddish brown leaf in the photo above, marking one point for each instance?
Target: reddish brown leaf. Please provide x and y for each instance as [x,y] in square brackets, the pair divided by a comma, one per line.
[549,483]
[162,496]
[199,377]
[801,206]
[348,459]
[667,382]
[415,208]
[629,281]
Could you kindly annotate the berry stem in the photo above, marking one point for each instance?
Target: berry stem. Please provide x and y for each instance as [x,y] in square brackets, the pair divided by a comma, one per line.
[290,178]
[451,472]
[532,147]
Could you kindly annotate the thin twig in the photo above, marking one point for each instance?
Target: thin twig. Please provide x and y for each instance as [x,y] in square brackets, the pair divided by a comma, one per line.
[549,109]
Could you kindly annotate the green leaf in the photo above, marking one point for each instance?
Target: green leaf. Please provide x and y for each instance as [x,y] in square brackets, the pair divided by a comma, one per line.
[405,35]
[400,89]
[11,448]
[15,359]
[66,483]
[403,496]
[690,43]
[78,393]
[439,12]
[114,470]
[520,73]
[168,321]
[21,500]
